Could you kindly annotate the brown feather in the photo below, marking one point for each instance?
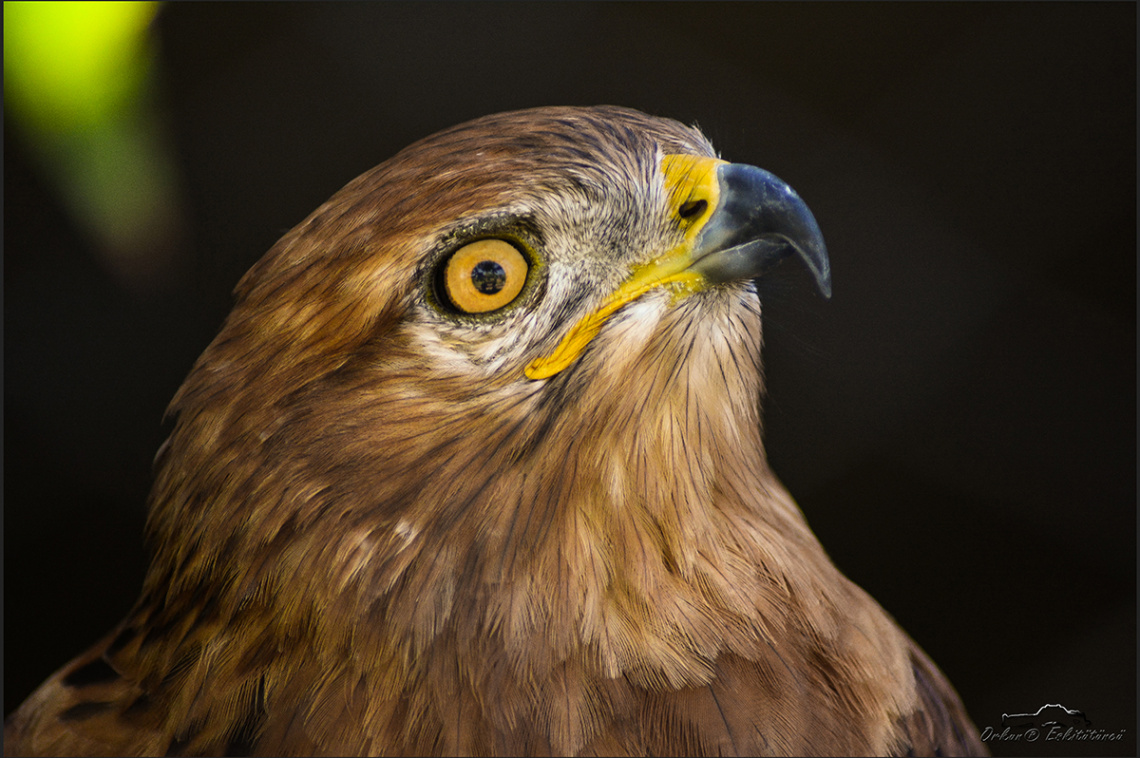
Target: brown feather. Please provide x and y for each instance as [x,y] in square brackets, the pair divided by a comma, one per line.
[372,535]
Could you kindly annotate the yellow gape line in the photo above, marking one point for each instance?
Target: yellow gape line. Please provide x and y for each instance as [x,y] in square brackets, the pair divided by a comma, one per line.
[689,181]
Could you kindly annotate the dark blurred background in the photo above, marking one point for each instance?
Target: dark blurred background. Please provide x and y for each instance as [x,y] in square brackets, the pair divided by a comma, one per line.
[958,423]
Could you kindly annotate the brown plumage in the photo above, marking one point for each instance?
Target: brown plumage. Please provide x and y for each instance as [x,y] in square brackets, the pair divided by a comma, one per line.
[505,512]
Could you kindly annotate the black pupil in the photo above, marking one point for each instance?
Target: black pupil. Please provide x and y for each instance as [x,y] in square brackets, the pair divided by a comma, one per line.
[488,277]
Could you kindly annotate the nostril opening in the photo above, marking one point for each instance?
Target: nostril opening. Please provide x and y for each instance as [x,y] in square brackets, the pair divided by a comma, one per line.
[692,209]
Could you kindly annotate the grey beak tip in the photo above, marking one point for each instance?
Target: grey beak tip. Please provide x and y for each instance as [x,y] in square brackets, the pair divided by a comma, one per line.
[825,288]
[823,279]
[758,205]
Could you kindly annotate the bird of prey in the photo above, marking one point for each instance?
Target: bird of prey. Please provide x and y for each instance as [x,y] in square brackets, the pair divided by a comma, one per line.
[475,466]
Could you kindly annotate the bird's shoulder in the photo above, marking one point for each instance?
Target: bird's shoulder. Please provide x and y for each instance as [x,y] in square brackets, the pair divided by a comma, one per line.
[939,724]
[87,707]
[761,707]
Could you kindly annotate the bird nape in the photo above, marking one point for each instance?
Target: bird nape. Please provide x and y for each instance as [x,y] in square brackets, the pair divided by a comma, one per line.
[475,465]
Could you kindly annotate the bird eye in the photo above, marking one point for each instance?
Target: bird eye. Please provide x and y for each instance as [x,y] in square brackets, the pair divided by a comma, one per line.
[484,276]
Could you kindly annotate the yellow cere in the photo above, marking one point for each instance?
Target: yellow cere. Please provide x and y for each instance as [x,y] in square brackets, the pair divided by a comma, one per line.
[688,178]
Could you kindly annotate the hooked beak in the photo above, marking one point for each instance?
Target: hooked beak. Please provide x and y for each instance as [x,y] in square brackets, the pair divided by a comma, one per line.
[758,222]
[739,222]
